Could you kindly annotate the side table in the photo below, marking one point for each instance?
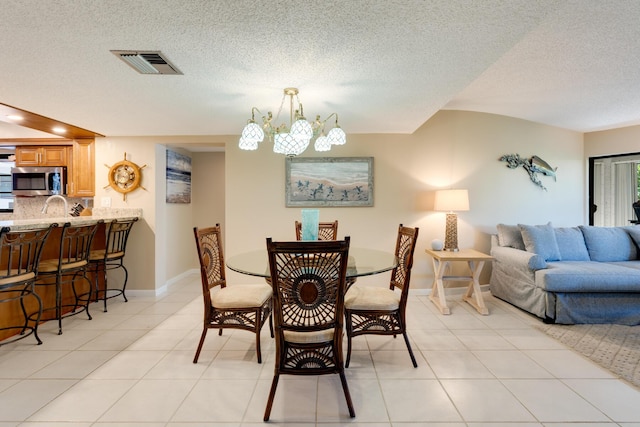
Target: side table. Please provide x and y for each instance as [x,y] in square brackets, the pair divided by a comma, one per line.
[475,261]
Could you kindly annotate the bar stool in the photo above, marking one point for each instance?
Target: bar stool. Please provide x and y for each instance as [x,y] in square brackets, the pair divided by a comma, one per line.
[20,253]
[111,258]
[69,270]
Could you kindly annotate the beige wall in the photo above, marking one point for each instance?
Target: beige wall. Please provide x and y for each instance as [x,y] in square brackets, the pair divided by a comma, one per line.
[208,188]
[453,149]
[617,141]
[161,249]
[140,259]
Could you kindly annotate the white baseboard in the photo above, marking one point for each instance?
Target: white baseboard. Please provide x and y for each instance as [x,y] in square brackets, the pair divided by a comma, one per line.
[189,274]
[456,290]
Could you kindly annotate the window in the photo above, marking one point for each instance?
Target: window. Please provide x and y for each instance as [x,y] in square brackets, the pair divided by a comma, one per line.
[614,185]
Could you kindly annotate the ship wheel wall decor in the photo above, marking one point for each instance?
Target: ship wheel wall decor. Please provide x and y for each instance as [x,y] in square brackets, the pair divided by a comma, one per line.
[125,176]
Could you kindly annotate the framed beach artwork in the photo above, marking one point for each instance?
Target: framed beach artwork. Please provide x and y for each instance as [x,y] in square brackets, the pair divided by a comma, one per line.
[329,181]
[178,177]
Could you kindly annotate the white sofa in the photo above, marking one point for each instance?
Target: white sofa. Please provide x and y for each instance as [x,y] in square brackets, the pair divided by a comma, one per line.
[569,275]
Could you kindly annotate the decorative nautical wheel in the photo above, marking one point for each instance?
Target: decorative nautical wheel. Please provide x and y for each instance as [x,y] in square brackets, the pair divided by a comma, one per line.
[125,176]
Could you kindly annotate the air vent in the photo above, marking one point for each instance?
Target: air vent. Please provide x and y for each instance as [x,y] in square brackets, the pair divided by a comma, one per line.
[147,62]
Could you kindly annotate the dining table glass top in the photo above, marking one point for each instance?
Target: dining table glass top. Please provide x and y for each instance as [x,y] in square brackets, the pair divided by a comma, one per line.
[362,262]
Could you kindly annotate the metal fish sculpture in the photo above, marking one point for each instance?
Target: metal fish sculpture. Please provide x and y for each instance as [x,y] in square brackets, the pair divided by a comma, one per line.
[540,166]
[533,166]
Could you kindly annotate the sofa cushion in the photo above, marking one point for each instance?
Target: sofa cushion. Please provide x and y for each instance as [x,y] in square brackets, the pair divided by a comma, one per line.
[588,276]
[634,233]
[541,240]
[510,235]
[571,244]
[606,244]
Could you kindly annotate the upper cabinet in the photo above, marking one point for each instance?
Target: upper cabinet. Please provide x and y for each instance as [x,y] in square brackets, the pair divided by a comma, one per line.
[81,169]
[79,158]
[41,156]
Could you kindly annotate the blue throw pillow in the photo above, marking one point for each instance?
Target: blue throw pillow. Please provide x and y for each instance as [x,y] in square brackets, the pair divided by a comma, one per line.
[606,244]
[541,240]
[571,244]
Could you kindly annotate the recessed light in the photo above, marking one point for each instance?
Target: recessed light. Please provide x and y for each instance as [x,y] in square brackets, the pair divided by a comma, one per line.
[14,117]
[59,129]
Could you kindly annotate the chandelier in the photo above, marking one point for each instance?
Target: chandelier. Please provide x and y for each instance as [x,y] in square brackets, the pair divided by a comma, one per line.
[293,140]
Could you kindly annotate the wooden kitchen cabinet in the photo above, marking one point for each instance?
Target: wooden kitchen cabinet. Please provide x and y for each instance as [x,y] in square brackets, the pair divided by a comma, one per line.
[81,175]
[41,156]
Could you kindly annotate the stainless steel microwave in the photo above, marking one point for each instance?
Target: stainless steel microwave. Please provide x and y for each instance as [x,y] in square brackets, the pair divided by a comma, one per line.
[39,181]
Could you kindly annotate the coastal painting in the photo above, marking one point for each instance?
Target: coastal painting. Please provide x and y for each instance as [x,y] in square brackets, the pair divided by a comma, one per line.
[331,181]
[178,177]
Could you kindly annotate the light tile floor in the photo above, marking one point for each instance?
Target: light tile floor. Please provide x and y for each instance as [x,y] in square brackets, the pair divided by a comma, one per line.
[132,367]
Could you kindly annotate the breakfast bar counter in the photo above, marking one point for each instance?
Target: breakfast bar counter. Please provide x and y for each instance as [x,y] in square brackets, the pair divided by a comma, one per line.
[106,215]
[10,312]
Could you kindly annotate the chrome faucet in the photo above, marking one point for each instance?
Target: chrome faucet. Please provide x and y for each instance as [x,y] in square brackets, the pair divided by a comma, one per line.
[56,196]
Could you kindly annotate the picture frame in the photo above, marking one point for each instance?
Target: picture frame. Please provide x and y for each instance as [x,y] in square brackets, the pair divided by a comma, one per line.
[328,181]
[178,178]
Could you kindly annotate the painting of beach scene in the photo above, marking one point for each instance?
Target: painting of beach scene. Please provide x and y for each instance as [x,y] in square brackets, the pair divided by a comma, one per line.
[178,177]
[331,181]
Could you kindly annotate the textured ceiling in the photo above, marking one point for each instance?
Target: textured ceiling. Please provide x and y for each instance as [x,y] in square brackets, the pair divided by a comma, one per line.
[385,66]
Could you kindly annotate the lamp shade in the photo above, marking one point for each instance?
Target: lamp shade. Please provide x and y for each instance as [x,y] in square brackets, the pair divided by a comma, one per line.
[451,200]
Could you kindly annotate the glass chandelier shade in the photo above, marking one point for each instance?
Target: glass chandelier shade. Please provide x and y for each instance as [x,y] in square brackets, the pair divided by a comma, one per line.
[287,144]
[294,140]
[252,134]
[301,129]
[322,143]
[337,136]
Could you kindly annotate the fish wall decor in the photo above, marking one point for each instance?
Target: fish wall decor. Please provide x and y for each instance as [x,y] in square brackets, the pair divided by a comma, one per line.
[533,166]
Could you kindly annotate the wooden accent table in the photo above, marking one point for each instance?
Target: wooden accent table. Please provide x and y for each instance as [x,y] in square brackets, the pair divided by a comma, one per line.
[475,261]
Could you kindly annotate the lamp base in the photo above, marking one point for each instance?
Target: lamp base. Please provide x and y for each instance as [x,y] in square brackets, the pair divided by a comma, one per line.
[451,233]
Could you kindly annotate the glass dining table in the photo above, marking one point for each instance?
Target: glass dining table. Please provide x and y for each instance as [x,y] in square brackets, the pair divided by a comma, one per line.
[362,262]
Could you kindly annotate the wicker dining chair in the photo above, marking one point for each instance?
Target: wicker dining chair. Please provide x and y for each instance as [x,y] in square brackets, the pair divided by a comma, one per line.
[378,310]
[308,280]
[326,230]
[244,307]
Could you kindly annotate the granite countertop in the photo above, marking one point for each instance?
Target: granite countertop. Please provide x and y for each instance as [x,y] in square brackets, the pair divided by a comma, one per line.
[107,215]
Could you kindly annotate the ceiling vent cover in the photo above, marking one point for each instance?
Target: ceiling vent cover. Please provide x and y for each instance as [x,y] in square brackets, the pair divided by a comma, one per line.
[147,62]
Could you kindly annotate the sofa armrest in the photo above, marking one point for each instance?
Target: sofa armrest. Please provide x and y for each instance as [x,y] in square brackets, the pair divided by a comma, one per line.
[517,258]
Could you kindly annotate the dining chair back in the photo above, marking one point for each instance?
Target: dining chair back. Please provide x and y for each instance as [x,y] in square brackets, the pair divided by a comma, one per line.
[244,307]
[308,279]
[379,310]
[326,230]
[20,253]
[111,257]
[68,272]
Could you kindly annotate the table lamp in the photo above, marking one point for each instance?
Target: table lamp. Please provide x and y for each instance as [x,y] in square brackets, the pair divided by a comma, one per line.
[450,201]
